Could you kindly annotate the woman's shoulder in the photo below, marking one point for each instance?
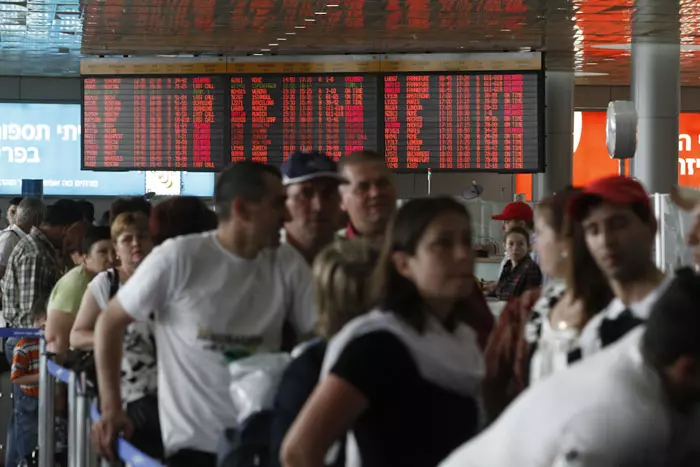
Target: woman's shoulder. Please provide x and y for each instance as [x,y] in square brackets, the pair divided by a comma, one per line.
[104,277]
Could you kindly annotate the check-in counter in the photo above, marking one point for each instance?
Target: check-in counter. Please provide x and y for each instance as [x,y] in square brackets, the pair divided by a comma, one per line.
[487,268]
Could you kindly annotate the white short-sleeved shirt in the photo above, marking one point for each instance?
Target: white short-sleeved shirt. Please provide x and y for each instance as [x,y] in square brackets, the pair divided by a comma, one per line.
[607,411]
[589,340]
[212,306]
[139,375]
[9,238]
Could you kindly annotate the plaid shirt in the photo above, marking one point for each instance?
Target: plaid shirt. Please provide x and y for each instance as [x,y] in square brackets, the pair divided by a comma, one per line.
[515,281]
[32,271]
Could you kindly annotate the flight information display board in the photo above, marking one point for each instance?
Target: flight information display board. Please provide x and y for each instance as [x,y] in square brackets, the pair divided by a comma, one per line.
[484,121]
[155,123]
[272,115]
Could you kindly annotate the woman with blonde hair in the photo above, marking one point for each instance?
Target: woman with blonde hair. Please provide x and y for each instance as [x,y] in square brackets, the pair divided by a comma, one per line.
[341,276]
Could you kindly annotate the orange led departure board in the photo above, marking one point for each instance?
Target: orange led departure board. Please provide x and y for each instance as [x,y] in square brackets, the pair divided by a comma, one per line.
[272,116]
[155,123]
[484,121]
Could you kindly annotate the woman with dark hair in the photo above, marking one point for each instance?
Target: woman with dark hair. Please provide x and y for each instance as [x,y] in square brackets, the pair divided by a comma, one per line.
[403,379]
[180,215]
[537,334]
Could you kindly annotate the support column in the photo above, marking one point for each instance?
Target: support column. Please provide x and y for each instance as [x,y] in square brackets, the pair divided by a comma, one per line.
[559,142]
[656,92]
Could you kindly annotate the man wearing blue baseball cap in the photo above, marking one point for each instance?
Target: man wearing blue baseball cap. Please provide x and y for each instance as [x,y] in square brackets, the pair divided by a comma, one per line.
[313,201]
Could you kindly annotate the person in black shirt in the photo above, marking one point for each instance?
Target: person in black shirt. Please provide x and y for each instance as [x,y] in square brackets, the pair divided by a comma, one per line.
[341,277]
[402,380]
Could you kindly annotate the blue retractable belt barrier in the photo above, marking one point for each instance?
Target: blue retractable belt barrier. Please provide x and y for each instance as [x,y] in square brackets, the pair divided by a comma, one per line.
[126,451]
[11,332]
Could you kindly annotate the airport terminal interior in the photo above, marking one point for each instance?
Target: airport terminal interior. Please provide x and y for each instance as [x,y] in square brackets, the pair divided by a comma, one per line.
[362,233]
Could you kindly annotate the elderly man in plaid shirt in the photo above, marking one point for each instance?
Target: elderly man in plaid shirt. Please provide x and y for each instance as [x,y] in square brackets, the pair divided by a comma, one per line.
[32,271]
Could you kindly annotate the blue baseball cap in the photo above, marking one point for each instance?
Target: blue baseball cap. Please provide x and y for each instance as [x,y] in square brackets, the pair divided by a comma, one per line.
[307,165]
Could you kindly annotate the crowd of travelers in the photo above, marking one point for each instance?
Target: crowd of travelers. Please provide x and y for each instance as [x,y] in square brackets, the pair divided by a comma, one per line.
[392,354]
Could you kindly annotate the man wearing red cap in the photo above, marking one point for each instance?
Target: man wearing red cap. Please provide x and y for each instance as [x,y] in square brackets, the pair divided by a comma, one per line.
[515,214]
[620,229]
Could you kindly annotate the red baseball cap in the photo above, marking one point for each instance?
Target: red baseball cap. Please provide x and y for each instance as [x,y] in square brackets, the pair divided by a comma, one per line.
[515,211]
[614,189]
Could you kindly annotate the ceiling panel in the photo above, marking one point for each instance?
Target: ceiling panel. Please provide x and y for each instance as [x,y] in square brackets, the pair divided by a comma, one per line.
[47,37]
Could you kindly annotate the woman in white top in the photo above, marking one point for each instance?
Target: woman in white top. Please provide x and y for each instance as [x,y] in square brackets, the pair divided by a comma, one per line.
[139,380]
[537,334]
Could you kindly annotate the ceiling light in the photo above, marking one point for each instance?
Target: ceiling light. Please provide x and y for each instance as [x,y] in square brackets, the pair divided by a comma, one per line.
[320,13]
[332,5]
[258,55]
[299,27]
[264,50]
[505,30]
[310,20]
[291,33]
[684,47]
[273,45]
[583,74]
[281,38]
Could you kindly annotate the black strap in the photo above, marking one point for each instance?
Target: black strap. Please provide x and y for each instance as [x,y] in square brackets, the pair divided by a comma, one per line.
[113,282]
[611,330]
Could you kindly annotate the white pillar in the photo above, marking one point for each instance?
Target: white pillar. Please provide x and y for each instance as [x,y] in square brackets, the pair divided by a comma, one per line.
[559,139]
[656,92]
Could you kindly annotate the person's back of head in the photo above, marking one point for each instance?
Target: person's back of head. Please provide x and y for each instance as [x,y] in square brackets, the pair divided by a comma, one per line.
[88,210]
[30,213]
[250,204]
[671,341]
[243,180]
[12,209]
[130,204]
[63,213]
[342,274]
[180,215]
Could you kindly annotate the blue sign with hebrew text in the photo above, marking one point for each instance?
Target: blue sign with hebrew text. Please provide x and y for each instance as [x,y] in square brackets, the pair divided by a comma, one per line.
[42,141]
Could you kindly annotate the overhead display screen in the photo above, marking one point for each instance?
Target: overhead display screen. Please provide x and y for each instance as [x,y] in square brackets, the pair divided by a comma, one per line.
[155,123]
[272,116]
[485,121]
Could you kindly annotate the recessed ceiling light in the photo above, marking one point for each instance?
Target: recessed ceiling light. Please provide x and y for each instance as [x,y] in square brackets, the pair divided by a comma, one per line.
[290,33]
[299,27]
[258,55]
[583,74]
[273,45]
[264,50]
[310,20]
[321,13]
[332,5]
[281,38]
[505,30]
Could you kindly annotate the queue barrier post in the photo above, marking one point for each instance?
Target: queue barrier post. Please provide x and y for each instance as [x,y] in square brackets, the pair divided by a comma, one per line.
[85,412]
[72,420]
[47,389]
[83,425]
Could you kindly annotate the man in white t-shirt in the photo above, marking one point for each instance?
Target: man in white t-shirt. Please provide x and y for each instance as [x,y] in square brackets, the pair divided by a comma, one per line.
[217,296]
[631,405]
[619,227]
